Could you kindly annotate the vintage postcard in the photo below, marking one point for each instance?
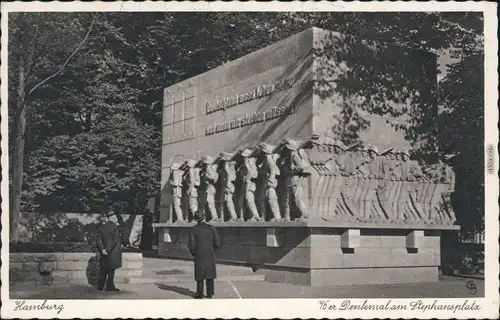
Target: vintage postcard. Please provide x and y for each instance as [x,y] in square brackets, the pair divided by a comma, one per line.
[249,160]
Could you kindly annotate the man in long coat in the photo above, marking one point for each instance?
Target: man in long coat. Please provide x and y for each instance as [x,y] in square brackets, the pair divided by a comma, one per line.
[109,246]
[203,241]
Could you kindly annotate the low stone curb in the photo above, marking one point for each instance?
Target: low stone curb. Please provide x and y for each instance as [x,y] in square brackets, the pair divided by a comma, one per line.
[61,267]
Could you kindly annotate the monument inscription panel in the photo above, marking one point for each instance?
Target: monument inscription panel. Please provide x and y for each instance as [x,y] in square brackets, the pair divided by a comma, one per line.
[259,92]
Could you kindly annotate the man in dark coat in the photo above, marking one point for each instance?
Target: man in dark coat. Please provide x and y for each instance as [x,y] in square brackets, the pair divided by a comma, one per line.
[109,246]
[203,241]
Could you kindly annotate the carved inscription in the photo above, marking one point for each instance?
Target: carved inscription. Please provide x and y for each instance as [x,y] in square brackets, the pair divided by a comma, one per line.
[259,92]
[248,120]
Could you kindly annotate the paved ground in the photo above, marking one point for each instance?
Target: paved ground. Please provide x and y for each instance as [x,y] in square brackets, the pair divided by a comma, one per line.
[448,287]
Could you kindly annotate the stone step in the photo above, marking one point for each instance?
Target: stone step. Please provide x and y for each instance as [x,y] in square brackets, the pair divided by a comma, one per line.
[184,271]
[190,278]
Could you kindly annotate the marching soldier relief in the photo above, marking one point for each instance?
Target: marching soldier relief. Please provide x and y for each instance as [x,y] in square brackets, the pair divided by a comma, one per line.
[249,171]
[176,181]
[192,183]
[386,187]
[210,178]
[229,176]
[272,173]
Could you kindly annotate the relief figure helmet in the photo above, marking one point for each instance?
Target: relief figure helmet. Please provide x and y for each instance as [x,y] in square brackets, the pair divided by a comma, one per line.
[267,148]
[329,144]
[225,156]
[372,151]
[365,152]
[405,155]
[338,146]
[397,154]
[291,144]
[207,160]
[389,154]
[191,163]
[245,153]
[175,166]
[319,142]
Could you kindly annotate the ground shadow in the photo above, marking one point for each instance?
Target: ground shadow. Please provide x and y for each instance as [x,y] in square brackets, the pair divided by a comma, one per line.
[63,292]
[170,272]
[176,289]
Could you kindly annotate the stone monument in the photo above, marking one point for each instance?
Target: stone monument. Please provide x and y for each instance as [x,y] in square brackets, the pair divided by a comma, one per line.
[271,164]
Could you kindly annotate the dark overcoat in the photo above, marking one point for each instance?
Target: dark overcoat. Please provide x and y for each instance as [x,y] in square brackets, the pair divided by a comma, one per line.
[203,241]
[109,238]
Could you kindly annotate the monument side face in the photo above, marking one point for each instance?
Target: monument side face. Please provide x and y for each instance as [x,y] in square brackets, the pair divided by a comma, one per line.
[368,91]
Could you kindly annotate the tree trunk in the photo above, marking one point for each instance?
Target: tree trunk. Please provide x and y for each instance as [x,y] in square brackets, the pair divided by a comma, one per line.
[18,160]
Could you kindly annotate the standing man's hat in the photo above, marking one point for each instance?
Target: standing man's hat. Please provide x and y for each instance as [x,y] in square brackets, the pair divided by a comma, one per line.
[198,216]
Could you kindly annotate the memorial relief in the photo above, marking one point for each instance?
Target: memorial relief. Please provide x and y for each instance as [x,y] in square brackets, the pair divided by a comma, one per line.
[320,178]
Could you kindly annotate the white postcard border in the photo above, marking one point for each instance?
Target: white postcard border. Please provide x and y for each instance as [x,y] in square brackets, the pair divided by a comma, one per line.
[272,308]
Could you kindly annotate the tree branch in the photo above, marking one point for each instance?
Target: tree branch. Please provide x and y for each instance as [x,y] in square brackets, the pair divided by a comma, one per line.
[33,49]
[454,24]
[67,60]
[459,27]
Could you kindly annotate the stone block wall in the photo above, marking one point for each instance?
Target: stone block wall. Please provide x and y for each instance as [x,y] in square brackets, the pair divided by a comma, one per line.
[62,267]
[317,257]
[383,256]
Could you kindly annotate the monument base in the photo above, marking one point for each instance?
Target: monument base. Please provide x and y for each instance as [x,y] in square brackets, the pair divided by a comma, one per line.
[322,253]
